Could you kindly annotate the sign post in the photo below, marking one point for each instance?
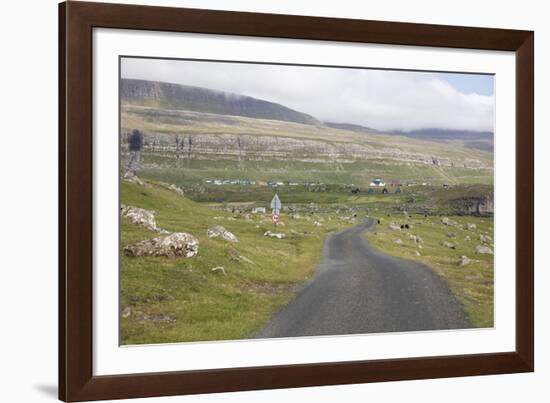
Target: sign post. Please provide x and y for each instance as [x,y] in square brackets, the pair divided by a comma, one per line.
[275,210]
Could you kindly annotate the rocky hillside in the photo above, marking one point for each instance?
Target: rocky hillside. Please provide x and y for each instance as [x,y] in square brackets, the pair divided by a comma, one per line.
[189,98]
[206,136]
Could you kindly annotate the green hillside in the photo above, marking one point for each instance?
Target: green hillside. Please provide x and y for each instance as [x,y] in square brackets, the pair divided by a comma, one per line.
[203,304]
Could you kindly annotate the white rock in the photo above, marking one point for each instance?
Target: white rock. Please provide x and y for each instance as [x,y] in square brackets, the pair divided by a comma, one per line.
[173,188]
[275,235]
[219,268]
[484,249]
[219,231]
[241,258]
[126,312]
[130,177]
[178,244]
[142,217]
[484,238]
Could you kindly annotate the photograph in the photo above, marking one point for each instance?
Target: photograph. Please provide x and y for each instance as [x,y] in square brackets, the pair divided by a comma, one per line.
[262,200]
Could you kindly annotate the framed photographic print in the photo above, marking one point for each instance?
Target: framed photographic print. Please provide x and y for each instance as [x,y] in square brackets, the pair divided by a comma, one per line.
[252,201]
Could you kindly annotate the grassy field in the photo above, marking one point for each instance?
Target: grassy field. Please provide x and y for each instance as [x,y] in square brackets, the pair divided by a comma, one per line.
[472,284]
[202,304]
[359,173]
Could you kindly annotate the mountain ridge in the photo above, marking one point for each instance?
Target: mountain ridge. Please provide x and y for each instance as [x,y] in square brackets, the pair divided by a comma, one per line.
[481,140]
[199,99]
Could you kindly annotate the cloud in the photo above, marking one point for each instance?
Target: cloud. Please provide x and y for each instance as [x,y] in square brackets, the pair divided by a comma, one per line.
[380,99]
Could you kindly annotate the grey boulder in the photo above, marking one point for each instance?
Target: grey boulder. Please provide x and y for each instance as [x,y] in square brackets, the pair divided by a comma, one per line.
[178,244]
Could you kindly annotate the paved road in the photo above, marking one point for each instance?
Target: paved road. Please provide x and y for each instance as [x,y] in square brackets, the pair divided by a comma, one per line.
[357,289]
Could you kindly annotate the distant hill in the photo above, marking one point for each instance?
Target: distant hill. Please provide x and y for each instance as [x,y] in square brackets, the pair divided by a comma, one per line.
[479,140]
[351,127]
[197,99]
[472,139]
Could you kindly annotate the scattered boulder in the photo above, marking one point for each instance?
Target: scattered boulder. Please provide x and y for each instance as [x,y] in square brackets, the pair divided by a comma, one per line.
[173,188]
[416,238]
[484,249]
[176,189]
[464,260]
[131,178]
[155,317]
[240,258]
[484,238]
[398,242]
[178,244]
[275,235]
[317,224]
[417,253]
[394,226]
[220,269]
[126,312]
[471,226]
[467,238]
[451,234]
[142,217]
[219,231]
[445,221]
[448,245]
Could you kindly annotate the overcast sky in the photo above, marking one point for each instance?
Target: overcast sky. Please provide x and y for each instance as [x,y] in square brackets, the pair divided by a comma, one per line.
[381,99]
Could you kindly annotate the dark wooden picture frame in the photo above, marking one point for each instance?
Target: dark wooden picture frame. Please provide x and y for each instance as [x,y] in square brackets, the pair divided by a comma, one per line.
[76,23]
